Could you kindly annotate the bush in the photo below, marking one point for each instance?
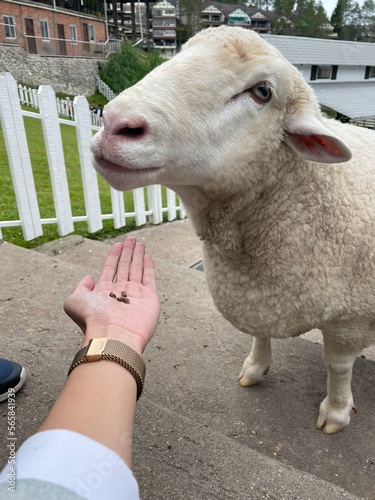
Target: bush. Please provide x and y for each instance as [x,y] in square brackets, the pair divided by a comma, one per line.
[128,67]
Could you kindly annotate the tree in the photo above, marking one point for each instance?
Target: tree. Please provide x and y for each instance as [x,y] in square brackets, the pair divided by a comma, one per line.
[301,18]
[128,67]
[259,4]
[352,22]
[190,15]
[339,15]
[367,22]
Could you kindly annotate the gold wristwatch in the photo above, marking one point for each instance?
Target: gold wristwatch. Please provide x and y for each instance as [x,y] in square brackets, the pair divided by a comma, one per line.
[113,350]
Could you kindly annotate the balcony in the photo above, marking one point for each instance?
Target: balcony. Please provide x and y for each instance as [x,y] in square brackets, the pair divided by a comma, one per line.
[91,7]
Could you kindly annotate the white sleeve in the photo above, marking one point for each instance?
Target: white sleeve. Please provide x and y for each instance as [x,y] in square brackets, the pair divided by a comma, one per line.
[75,462]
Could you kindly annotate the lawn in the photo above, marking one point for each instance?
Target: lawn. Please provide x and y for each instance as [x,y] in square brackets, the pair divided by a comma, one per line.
[8,207]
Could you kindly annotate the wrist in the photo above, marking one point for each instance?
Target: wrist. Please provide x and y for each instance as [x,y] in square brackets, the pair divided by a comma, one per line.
[116,333]
[107,349]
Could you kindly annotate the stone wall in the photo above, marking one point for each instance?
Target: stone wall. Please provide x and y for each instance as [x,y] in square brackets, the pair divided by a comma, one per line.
[75,76]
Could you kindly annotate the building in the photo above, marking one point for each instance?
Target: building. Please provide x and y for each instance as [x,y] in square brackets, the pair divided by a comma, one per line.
[151,24]
[164,27]
[58,27]
[129,20]
[216,13]
[341,73]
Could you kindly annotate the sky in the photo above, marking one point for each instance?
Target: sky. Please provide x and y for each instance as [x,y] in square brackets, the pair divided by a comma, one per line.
[329,6]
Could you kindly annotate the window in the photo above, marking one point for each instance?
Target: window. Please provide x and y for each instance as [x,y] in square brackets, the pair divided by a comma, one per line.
[370,72]
[323,72]
[73,34]
[85,32]
[44,29]
[91,28]
[9,26]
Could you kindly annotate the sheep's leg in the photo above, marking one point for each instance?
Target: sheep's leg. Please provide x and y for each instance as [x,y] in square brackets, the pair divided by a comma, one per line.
[257,364]
[336,408]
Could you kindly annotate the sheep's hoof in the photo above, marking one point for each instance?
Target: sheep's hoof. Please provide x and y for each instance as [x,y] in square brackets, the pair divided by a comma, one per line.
[251,376]
[333,419]
[246,382]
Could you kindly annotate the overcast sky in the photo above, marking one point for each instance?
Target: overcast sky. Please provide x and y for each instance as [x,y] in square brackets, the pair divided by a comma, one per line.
[329,6]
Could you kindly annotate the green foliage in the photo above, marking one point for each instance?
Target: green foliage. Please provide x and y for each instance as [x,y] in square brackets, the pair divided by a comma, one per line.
[339,14]
[97,98]
[259,4]
[301,18]
[191,11]
[354,22]
[128,67]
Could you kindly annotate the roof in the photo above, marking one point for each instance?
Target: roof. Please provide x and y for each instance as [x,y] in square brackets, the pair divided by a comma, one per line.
[163,4]
[301,50]
[353,99]
[227,9]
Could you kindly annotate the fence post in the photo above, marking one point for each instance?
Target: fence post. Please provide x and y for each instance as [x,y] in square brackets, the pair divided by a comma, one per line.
[89,176]
[19,157]
[139,206]
[34,98]
[171,204]
[118,208]
[20,93]
[56,161]
[155,203]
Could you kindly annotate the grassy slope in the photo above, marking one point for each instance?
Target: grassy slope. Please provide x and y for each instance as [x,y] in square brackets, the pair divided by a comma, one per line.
[8,208]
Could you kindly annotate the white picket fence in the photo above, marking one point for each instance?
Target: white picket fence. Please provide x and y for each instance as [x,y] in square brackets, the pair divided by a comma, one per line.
[146,208]
[104,89]
[29,97]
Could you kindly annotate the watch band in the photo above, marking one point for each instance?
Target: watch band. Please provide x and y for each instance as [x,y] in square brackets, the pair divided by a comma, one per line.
[113,350]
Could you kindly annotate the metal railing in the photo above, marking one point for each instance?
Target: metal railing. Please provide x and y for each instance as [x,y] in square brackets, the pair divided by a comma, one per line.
[60,47]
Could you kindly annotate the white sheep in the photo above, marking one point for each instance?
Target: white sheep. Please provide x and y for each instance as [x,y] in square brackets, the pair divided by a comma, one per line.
[288,229]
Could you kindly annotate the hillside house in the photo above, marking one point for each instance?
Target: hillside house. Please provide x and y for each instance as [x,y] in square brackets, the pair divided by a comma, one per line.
[215,13]
[164,27]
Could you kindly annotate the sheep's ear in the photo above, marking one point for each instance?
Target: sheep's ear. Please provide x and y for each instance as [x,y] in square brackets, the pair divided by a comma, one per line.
[311,140]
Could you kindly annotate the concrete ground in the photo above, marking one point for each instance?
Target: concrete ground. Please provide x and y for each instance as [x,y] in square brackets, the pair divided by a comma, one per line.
[199,435]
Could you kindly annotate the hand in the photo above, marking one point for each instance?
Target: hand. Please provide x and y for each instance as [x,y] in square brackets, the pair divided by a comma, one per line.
[128,269]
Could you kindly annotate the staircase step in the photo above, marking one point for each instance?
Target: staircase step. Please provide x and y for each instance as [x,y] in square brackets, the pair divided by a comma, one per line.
[176,458]
[175,242]
[199,435]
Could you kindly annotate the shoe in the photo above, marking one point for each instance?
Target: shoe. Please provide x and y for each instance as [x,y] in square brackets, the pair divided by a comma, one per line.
[12,376]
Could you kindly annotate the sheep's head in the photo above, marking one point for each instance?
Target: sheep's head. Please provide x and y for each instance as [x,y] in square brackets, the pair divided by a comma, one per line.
[223,108]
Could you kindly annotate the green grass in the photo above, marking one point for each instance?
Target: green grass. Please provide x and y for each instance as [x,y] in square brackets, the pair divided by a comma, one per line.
[8,207]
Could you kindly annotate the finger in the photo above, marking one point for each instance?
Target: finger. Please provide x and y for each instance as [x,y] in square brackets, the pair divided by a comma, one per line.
[85,285]
[136,267]
[149,272]
[109,268]
[126,259]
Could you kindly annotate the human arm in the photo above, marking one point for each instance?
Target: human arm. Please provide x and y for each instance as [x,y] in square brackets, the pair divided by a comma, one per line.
[98,399]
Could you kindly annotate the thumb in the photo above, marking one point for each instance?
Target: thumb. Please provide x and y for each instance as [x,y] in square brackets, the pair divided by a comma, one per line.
[85,285]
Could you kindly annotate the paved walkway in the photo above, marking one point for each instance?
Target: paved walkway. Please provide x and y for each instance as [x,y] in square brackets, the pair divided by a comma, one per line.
[199,435]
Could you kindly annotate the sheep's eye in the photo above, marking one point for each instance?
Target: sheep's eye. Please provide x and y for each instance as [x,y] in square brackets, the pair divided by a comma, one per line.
[261,92]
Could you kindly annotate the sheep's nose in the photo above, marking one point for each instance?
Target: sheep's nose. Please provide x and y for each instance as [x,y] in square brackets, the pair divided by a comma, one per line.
[126,127]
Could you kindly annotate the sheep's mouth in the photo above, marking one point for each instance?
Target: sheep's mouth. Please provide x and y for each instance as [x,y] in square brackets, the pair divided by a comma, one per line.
[115,167]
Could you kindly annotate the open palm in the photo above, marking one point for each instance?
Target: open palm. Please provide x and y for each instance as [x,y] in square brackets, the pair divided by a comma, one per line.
[126,269]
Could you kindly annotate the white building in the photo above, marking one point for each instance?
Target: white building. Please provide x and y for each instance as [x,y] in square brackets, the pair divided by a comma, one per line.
[341,73]
[164,27]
